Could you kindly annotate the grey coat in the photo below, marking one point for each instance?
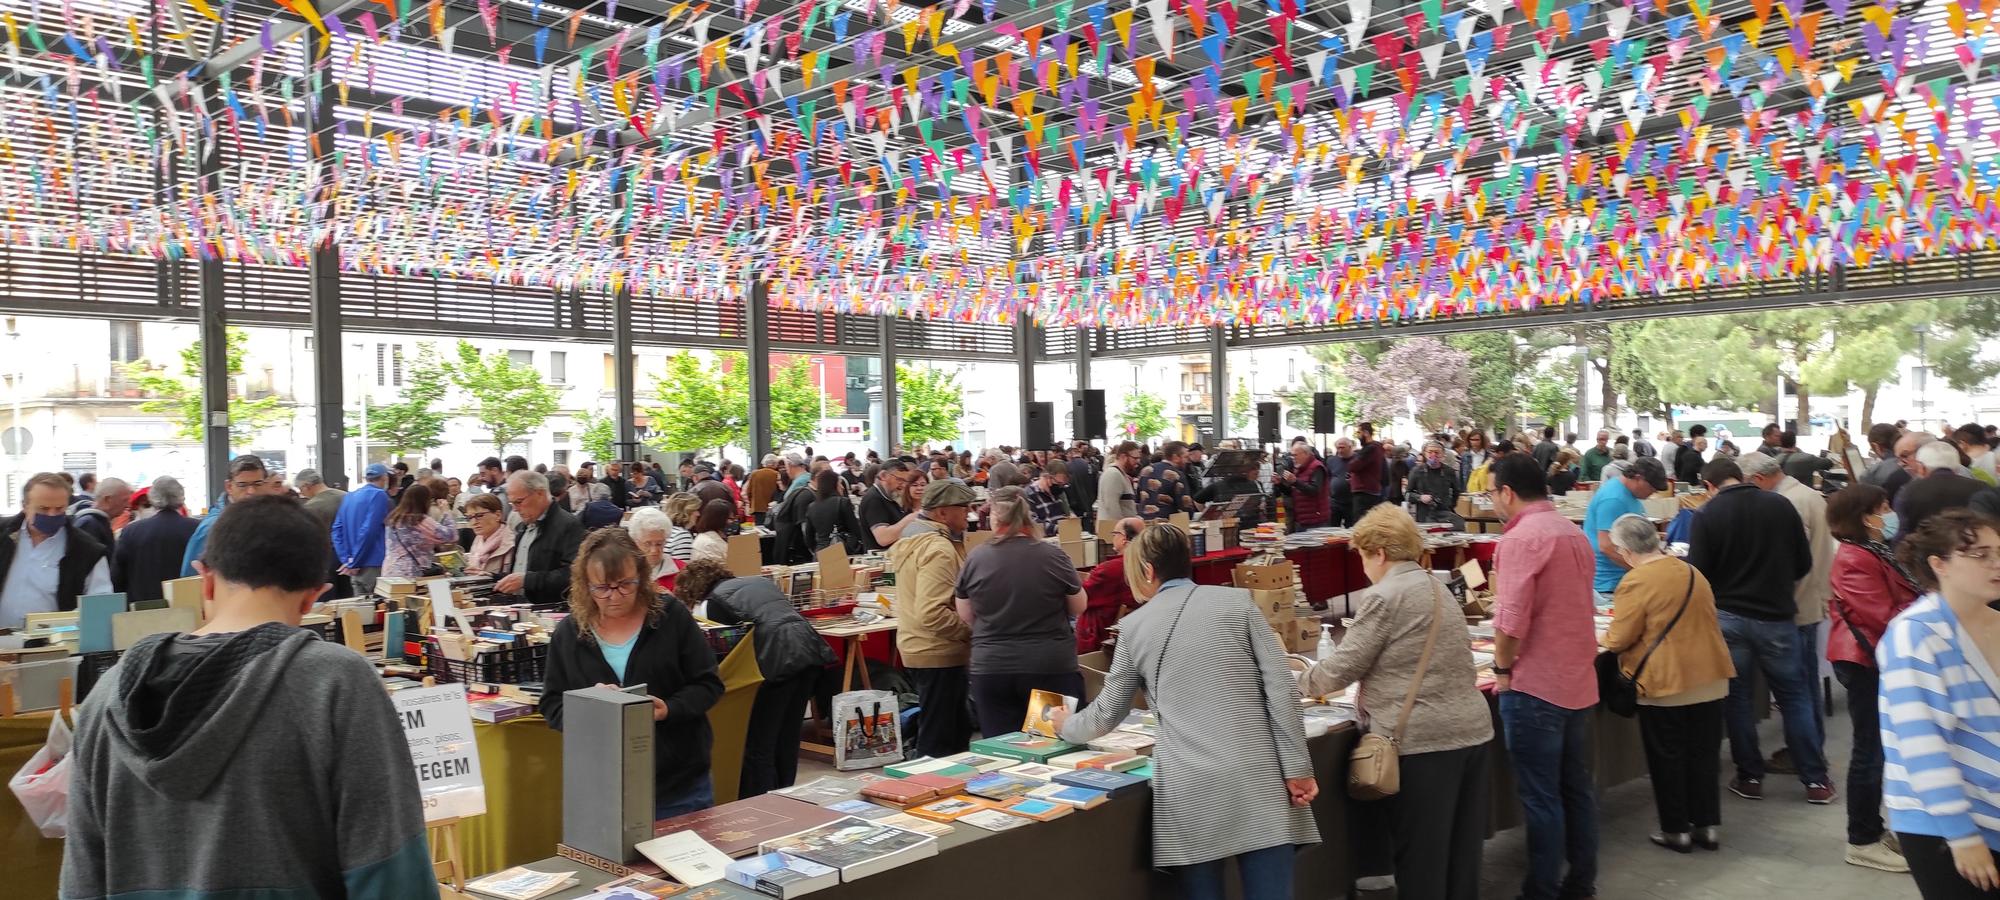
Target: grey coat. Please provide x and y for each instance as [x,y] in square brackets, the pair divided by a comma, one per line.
[1230,728]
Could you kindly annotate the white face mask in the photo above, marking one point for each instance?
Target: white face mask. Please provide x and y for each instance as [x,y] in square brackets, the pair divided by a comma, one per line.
[142,514]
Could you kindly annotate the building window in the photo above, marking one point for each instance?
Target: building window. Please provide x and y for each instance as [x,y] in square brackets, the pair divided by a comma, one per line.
[525,358]
[558,367]
[388,365]
[562,457]
[610,372]
[125,343]
[562,437]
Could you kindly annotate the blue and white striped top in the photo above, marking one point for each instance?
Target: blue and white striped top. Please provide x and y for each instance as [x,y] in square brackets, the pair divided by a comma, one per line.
[1940,717]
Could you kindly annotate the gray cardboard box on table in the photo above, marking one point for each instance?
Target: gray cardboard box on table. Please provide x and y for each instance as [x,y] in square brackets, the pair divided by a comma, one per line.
[607,771]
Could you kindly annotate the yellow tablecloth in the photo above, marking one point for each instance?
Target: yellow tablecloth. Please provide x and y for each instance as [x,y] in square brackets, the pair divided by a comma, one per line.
[32,863]
[522,762]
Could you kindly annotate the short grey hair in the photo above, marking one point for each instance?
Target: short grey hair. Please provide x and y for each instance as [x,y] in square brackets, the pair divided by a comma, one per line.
[795,459]
[166,493]
[647,521]
[1938,455]
[307,478]
[770,459]
[422,474]
[530,480]
[1621,452]
[1756,465]
[599,491]
[1635,534]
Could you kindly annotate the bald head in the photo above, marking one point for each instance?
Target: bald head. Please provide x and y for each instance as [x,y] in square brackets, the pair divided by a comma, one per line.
[1127,529]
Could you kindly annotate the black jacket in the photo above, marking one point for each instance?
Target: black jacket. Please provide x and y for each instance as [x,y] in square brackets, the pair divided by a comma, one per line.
[672,659]
[94,522]
[1802,465]
[829,518]
[1751,545]
[1441,483]
[1925,497]
[1687,464]
[621,491]
[81,553]
[787,645]
[549,558]
[150,552]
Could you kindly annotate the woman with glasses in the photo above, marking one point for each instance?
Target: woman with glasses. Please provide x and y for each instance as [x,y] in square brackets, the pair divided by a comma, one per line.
[790,654]
[492,541]
[1939,696]
[620,632]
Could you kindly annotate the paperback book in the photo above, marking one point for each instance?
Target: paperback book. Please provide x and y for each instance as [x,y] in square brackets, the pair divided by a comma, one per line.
[980,762]
[1116,784]
[949,809]
[1038,810]
[1041,772]
[856,847]
[994,820]
[1024,747]
[782,876]
[928,765]
[521,883]
[1042,706]
[823,791]
[686,858]
[999,786]
[1081,798]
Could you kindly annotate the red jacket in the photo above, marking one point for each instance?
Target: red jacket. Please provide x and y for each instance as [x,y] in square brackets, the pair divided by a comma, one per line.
[1107,593]
[1867,593]
[1309,495]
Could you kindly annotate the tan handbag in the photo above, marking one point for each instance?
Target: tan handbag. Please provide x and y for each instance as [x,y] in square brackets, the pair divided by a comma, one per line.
[1375,768]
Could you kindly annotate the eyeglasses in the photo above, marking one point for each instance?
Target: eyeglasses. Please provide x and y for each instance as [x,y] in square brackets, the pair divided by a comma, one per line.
[1986,555]
[474,517]
[602,591]
[248,485]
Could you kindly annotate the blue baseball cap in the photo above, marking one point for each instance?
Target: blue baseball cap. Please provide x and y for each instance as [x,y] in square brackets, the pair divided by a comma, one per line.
[378,470]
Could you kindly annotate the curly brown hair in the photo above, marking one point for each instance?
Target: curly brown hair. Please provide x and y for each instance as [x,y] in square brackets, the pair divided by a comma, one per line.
[610,549]
[1941,536]
[695,582]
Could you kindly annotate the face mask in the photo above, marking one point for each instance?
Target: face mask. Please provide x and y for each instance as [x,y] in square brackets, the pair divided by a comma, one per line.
[143,514]
[50,523]
[1434,463]
[1890,522]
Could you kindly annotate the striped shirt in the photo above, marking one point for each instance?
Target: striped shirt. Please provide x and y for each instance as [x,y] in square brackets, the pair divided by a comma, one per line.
[1940,728]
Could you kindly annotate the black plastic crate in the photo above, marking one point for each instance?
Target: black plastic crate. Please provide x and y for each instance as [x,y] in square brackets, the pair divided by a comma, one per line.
[512,665]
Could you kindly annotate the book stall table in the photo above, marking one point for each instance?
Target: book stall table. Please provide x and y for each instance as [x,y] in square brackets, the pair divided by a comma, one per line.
[1103,853]
[850,642]
[34,863]
[1329,570]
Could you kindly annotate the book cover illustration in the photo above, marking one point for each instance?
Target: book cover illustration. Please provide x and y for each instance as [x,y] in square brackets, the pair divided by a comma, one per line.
[1042,706]
[848,842]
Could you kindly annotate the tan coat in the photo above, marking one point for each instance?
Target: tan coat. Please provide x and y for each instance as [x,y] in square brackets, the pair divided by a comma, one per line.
[929,633]
[1693,655]
[762,489]
[1816,588]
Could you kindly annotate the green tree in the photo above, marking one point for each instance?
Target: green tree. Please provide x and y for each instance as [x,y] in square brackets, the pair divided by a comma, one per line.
[508,400]
[1239,409]
[1702,361]
[1493,373]
[417,419]
[598,437]
[701,407]
[1325,376]
[1868,343]
[178,394]
[1632,378]
[932,405]
[796,404]
[1549,394]
[1144,416]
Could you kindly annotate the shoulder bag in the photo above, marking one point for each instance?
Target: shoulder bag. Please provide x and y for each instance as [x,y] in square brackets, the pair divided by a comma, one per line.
[1375,768]
[1618,693]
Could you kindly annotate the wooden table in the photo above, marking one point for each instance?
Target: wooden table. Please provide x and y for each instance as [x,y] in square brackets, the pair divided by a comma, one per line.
[852,639]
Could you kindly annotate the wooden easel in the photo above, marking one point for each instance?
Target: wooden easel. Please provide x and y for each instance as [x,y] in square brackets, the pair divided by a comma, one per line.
[451,869]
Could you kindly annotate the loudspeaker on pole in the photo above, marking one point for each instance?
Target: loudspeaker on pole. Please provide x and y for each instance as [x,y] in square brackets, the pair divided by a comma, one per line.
[1323,413]
[1041,426]
[1088,418]
[1268,424]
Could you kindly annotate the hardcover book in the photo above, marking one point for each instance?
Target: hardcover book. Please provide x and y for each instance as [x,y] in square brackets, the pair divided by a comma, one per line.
[1081,798]
[781,876]
[686,858]
[737,828]
[1024,747]
[1128,741]
[948,809]
[994,820]
[1116,761]
[1117,784]
[980,762]
[1042,706]
[863,809]
[999,786]
[1041,772]
[946,785]
[1071,761]
[901,793]
[1038,810]
[857,847]
[928,765]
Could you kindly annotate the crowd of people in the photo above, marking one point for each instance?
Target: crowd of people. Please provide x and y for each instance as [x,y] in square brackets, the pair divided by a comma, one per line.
[1890,572]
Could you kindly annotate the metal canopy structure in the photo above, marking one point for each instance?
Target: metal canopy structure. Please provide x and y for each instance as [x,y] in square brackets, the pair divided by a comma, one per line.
[1172,176]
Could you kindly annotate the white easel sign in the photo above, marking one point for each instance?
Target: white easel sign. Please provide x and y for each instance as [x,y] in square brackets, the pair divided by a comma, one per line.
[439,728]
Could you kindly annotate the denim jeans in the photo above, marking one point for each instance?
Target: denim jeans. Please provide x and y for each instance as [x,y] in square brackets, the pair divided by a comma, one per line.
[1550,748]
[1809,656]
[1773,648]
[1864,767]
[699,796]
[1266,875]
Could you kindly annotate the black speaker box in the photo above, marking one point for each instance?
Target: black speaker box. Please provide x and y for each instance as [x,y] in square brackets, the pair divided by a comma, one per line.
[1041,426]
[1268,424]
[1323,414]
[1088,416]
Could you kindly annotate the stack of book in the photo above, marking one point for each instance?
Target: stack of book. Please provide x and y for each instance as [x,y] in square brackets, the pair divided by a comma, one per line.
[855,847]
[914,790]
[1023,747]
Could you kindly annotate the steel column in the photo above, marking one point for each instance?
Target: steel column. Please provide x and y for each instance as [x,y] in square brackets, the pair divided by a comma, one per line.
[1024,358]
[213,331]
[624,403]
[323,277]
[1084,335]
[758,346]
[892,409]
[1218,387]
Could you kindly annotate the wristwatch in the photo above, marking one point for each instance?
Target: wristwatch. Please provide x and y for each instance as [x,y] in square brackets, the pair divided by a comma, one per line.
[1503,670]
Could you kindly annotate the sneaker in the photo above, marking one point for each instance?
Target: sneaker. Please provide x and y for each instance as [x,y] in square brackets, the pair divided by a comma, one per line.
[1780,762]
[1878,855]
[1747,788]
[1819,794]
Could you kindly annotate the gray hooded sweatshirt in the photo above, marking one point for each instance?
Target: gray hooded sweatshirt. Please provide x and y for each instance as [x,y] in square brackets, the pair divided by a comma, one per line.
[263,764]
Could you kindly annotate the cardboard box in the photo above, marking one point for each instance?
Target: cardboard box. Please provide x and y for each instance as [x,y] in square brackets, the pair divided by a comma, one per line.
[1270,576]
[1276,605]
[1301,634]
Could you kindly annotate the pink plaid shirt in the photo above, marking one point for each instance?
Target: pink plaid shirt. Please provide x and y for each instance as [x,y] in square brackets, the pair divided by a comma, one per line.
[1542,575]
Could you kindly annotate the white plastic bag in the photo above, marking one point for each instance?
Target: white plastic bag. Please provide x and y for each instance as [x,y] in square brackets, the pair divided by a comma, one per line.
[43,784]
[867,730]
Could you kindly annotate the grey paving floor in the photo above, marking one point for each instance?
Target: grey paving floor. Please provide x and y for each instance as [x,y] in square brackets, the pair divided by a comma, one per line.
[1774,849]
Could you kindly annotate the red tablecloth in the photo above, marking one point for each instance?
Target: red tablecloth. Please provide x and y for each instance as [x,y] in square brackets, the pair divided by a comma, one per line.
[1326,571]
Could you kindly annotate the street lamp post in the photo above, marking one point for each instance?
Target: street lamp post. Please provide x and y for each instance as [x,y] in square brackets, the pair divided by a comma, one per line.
[1923,332]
